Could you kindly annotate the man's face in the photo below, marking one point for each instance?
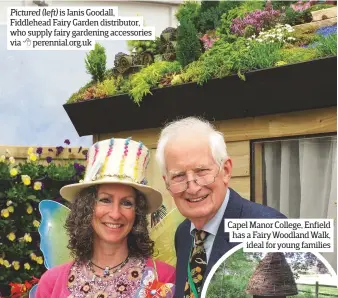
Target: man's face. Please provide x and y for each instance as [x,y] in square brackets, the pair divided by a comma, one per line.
[186,160]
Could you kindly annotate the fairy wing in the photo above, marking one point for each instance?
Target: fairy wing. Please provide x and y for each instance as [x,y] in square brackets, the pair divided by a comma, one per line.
[54,239]
[164,234]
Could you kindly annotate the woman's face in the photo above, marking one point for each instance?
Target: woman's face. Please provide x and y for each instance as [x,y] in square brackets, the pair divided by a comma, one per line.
[114,213]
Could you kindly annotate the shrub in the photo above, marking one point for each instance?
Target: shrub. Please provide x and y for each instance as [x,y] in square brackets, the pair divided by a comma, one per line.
[188,45]
[292,17]
[96,62]
[149,77]
[189,11]
[238,9]
[259,19]
[221,60]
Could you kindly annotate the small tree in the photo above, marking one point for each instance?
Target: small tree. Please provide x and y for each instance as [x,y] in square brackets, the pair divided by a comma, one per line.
[96,62]
[188,45]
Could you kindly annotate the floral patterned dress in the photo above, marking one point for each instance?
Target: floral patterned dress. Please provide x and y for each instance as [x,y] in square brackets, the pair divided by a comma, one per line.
[134,280]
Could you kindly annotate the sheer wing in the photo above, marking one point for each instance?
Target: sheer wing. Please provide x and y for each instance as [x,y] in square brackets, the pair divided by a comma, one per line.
[164,234]
[54,239]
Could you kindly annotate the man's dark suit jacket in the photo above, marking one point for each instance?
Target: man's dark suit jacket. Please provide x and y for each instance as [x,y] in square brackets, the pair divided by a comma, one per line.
[237,207]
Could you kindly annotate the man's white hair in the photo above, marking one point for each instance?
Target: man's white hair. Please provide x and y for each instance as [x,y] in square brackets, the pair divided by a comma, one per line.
[187,127]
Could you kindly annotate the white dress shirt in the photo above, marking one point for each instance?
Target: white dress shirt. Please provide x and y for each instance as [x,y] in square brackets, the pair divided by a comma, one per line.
[212,226]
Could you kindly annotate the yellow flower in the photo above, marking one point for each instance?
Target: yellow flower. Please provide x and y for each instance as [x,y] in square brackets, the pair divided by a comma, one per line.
[39,260]
[27,237]
[33,157]
[2,158]
[4,213]
[27,266]
[12,160]
[37,185]
[36,223]
[9,203]
[6,264]
[26,179]
[16,265]
[11,236]
[29,209]
[30,150]
[33,256]
[13,172]
[10,209]
[1,261]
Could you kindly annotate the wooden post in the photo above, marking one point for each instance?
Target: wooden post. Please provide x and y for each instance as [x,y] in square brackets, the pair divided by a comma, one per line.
[317,289]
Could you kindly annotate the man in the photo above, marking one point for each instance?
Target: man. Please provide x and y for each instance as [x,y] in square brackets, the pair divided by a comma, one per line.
[193,158]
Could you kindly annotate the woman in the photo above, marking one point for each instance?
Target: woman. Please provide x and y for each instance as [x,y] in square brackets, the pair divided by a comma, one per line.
[107,229]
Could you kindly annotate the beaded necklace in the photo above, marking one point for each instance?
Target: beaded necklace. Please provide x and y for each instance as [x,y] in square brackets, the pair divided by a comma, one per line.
[107,271]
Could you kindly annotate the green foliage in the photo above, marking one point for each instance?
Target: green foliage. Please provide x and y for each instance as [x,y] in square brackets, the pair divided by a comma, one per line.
[96,62]
[231,278]
[78,95]
[189,10]
[149,77]
[327,46]
[295,55]
[221,60]
[238,9]
[188,45]
[281,5]
[20,257]
[320,6]
[262,55]
[293,17]
[143,45]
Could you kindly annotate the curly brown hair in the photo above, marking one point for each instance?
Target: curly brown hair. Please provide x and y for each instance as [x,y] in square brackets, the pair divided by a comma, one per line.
[81,233]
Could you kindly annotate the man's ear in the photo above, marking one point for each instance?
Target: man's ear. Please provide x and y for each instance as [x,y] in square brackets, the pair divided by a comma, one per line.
[227,170]
[163,177]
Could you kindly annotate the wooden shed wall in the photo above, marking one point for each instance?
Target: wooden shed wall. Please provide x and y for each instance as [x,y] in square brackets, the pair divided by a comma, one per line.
[239,133]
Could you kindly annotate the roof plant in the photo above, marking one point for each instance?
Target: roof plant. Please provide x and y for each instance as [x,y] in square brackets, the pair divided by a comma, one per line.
[214,39]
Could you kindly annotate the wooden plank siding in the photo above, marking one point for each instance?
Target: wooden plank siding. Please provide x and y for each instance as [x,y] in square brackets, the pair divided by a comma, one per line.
[238,134]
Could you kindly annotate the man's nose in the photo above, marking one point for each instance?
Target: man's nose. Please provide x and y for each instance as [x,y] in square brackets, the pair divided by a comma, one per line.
[192,187]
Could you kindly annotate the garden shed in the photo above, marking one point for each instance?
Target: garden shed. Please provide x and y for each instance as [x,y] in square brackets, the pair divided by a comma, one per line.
[265,74]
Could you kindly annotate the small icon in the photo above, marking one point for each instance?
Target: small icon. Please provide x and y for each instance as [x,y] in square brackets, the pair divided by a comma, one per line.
[29,42]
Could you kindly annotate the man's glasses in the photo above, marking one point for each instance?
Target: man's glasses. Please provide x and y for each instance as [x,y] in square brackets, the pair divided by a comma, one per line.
[179,183]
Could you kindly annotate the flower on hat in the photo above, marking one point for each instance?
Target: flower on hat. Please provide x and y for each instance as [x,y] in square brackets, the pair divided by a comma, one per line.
[10,209]
[2,158]
[33,256]
[30,150]
[12,160]
[27,266]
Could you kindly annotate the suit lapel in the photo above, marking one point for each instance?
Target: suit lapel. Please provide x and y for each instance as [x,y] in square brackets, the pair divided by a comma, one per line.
[184,245]
[221,243]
